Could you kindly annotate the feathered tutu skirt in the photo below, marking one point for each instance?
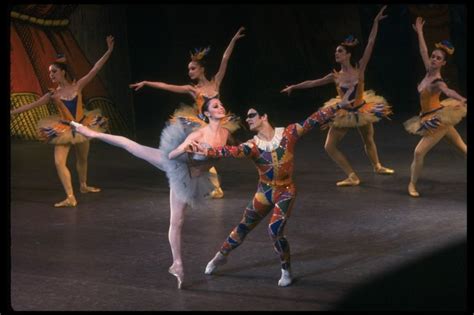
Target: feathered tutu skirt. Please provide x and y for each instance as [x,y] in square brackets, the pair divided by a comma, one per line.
[187,187]
[449,113]
[372,110]
[55,130]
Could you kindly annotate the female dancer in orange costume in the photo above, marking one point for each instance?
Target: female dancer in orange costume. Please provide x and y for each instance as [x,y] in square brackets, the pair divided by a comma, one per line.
[436,119]
[202,88]
[56,130]
[366,107]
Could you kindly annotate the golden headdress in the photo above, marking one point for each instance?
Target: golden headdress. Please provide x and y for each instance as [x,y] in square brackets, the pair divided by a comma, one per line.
[199,53]
[446,46]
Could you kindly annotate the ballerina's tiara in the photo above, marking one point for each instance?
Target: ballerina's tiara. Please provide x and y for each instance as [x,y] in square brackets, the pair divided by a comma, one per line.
[446,46]
[60,58]
[350,41]
[199,53]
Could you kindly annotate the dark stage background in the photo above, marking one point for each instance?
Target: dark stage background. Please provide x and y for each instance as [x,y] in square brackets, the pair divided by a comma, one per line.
[284,44]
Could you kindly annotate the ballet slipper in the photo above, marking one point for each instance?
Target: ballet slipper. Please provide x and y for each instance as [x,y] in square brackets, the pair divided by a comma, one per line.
[178,273]
[286,278]
[379,169]
[217,193]
[352,180]
[412,190]
[83,130]
[218,260]
[88,189]
[70,201]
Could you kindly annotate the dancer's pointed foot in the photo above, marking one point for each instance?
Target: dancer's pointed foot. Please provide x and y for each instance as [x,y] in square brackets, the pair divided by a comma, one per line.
[217,193]
[379,169]
[286,278]
[88,189]
[352,180]
[178,272]
[412,190]
[70,201]
[83,130]
[218,260]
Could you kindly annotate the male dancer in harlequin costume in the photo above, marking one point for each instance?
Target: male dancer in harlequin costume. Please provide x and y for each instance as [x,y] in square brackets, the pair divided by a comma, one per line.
[272,150]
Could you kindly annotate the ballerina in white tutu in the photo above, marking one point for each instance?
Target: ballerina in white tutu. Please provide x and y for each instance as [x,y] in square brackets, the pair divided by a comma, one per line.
[188,174]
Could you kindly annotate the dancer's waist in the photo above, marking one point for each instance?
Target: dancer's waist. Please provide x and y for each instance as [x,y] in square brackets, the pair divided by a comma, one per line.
[277,182]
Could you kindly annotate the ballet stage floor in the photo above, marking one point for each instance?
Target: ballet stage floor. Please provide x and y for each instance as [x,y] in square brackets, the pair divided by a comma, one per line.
[370,247]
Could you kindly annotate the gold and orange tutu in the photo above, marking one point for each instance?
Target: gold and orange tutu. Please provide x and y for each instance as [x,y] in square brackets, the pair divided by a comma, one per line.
[374,108]
[56,130]
[449,113]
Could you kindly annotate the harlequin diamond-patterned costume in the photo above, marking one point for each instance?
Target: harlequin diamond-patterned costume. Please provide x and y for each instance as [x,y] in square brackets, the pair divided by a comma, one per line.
[276,190]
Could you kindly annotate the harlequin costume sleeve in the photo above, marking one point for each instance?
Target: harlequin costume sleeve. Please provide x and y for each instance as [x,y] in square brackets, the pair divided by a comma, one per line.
[366,107]
[55,129]
[435,114]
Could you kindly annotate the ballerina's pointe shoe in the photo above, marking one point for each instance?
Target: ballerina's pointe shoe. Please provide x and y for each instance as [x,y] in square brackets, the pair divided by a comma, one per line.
[218,260]
[75,124]
[379,169]
[352,180]
[179,274]
[70,201]
[412,190]
[217,193]
[285,279]
[88,189]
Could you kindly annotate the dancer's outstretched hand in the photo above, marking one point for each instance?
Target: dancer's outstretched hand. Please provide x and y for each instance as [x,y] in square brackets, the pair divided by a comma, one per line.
[287,90]
[137,85]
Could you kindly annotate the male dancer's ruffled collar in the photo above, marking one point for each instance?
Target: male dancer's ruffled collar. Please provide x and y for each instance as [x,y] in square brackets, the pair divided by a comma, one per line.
[272,144]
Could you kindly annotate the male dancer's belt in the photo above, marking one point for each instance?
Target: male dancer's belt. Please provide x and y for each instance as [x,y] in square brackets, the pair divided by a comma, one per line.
[278,182]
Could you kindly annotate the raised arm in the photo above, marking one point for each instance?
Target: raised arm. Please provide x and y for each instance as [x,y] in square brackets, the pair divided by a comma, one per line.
[309,84]
[450,93]
[98,65]
[225,59]
[320,117]
[418,27]
[370,43]
[164,86]
[41,101]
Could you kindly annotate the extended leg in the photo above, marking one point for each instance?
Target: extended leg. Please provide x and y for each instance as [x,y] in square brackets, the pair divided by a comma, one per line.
[256,210]
[367,134]
[151,155]
[424,146]
[284,199]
